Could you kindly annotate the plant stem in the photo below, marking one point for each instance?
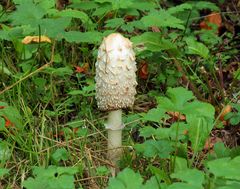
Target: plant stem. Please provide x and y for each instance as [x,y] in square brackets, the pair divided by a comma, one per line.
[114,127]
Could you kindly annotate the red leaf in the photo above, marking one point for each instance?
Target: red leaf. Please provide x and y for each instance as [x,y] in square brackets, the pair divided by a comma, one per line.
[213,18]
[143,71]
[82,69]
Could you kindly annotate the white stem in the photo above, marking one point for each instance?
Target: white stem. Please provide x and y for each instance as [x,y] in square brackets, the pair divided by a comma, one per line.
[114,126]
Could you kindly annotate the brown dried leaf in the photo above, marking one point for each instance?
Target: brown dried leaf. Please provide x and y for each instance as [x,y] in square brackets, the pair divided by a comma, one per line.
[36,39]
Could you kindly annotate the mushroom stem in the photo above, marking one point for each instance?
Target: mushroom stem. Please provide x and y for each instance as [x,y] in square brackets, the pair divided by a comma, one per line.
[114,126]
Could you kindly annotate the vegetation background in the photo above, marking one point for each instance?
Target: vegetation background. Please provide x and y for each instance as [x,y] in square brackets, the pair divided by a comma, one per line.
[183,131]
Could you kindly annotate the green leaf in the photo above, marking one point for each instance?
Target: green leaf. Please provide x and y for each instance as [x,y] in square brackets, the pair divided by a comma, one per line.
[200,108]
[3,172]
[178,130]
[152,183]
[199,5]
[84,5]
[27,13]
[60,71]
[122,180]
[152,41]
[155,114]
[83,37]
[178,98]
[199,130]
[60,154]
[5,153]
[180,164]
[179,8]
[114,23]
[147,131]
[197,48]
[86,91]
[152,148]
[12,114]
[51,178]
[225,167]
[143,5]
[192,177]
[74,14]
[162,19]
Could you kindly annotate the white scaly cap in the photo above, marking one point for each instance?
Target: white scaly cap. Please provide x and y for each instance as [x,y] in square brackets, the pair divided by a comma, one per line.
[115,73]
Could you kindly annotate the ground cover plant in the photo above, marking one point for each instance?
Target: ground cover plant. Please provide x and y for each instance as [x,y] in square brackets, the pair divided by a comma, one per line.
[184,128]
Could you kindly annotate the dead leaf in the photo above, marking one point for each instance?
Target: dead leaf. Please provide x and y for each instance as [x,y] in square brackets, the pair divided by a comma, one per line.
[213,18]
[177,116]
[224,112]
[143,71]
[36,39]
[209,144]
[82,69]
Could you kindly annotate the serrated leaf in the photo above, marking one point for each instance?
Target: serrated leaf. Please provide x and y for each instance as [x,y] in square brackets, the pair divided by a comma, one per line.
[152,41]
[114,23]
[152,148]
[60,154]
[122,180]
[225,167]
[74,14]
[197,48]
[143,5]
[83,37]
[155,114]
[199,5]
[177,99]
[162,19]
[27,13]
[179,8]
[192,177]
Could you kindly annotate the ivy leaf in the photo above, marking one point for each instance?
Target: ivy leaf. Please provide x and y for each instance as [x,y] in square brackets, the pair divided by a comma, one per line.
[197,48]
[122,180]
[162,19]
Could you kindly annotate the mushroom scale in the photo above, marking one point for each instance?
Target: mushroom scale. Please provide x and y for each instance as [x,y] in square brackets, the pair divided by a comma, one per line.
[115,73]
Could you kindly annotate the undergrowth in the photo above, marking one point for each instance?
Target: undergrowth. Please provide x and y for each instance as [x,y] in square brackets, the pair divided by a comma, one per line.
[183,131]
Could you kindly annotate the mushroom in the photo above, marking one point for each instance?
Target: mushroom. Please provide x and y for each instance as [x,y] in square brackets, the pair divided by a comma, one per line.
[115,87]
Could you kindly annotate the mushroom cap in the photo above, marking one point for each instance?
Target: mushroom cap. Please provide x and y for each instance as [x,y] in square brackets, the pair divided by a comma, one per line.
[115,73]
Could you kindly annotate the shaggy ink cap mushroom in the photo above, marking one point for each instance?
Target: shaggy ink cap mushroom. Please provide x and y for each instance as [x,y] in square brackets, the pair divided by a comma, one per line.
[115,73]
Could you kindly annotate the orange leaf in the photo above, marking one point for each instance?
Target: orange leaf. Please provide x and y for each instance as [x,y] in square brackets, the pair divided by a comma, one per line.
[143,71]
[177,116]
[224,112]
[82,69]
[213,18]
[36,39]
[8,123]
